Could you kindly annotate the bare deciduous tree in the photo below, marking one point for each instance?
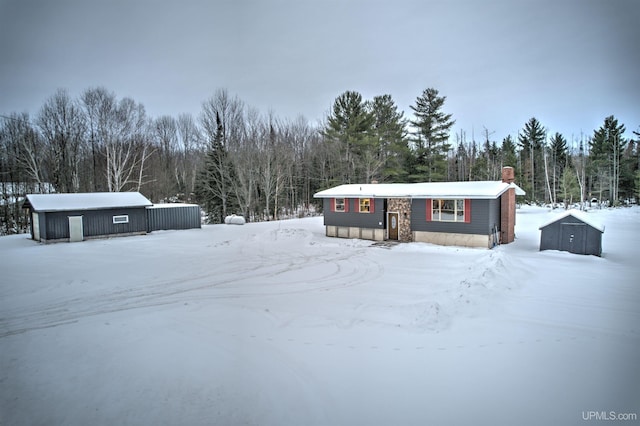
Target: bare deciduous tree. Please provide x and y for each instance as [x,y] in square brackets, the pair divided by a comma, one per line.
[62,125]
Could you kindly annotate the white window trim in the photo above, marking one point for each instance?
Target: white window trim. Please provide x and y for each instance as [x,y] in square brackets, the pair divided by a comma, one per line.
[336,204]
[437,217]
[360,205]
[121,218]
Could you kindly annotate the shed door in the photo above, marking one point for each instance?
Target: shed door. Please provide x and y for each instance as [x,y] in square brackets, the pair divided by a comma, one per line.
[75,229]
[35,226]
[392,223]
[573,237]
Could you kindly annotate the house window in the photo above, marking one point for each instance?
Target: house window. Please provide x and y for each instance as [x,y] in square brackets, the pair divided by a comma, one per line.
[122,218]
[365,205]
[448,211]
[339,204]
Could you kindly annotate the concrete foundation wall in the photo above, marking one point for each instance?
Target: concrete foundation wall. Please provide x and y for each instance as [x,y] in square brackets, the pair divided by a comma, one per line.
[450,239]
[352,232]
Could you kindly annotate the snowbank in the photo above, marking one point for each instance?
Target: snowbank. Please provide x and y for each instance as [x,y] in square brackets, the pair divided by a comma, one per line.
[234,220]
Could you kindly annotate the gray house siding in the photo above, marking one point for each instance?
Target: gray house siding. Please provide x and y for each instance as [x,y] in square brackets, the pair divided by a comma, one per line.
[494,213]
[483,217]
[173,217]
[572,235]
[353,218]
[94,223]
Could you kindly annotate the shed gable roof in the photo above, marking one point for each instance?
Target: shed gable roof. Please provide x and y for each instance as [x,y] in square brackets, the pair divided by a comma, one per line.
[85,201]
[581,216]
[482,189]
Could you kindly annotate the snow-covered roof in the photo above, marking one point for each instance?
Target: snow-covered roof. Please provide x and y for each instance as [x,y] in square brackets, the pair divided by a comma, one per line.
[482,189]
[85,201]
[171,205]
[519,191]
[582,216]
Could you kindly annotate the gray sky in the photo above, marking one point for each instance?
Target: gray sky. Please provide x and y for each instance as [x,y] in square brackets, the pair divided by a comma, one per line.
[568,63]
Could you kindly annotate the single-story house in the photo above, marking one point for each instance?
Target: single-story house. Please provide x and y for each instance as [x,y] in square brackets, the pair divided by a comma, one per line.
[574,232]
[473,214]
[81,216]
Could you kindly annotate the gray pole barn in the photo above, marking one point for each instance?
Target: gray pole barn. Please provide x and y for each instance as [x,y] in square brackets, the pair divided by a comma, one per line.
[77,217]
[572,232]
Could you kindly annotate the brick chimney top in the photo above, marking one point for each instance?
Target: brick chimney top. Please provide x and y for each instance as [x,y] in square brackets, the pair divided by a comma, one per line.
[508,175]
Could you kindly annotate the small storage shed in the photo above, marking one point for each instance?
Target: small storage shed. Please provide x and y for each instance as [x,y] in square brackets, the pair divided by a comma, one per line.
[76,217]
[574,232]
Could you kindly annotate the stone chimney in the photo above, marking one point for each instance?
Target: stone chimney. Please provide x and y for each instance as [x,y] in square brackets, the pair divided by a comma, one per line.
[508,208]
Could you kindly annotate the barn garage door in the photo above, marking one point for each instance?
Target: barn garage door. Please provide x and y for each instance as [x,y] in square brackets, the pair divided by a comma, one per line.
[35,225]
[573,237]
[75,229]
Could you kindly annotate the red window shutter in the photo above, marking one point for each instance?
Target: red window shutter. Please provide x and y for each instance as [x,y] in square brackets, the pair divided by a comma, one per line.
[467,210]
[429,208]
[333,204]
[346,205]
[372,203]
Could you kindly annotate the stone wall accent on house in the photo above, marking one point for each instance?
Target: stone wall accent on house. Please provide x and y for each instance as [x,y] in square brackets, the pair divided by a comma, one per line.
[402,206]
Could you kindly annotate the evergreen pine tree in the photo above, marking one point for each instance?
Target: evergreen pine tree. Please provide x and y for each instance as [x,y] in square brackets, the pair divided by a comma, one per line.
[213,186]
[558,161]
[531,142]
[431,136]
[568,186]
[607,148]
[389,129]
[508,151]
[637,186]
[349,126]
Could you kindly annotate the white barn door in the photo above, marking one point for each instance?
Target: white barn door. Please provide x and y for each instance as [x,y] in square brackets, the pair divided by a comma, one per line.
[35,225]
[75,229]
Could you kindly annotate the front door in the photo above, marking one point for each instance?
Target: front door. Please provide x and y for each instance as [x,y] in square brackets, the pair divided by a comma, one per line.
[392,224]
[573,237]
[76,232]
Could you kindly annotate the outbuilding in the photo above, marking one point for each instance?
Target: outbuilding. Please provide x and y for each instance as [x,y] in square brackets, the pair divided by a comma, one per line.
[81,216]
[574,232]
[473,214]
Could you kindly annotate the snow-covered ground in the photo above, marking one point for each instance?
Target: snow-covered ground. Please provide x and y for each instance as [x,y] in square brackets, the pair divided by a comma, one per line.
[276,324]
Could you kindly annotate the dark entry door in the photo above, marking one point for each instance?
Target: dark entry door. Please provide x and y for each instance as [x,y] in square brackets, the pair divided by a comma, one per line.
[573,237]
[392,224]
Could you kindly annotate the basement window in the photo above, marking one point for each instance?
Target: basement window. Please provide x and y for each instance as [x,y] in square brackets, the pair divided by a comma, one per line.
[122,218]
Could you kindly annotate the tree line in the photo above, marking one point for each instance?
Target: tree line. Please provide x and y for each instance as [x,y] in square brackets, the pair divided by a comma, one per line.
[233,159]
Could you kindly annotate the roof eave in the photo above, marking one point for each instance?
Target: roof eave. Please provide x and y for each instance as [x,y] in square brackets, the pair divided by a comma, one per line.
[411,196]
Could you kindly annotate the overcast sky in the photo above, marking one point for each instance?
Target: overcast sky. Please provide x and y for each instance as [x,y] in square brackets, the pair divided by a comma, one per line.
[568,63]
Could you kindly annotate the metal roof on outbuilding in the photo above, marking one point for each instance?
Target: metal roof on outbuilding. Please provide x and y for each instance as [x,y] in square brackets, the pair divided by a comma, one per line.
[85,201]
[582,216]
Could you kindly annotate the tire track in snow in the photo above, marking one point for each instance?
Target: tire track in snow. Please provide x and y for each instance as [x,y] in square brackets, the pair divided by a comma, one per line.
[353,268]
[418,346]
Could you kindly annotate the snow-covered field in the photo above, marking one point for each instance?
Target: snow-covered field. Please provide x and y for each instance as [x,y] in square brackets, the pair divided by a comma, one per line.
[275,324]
